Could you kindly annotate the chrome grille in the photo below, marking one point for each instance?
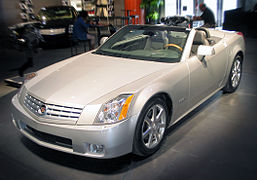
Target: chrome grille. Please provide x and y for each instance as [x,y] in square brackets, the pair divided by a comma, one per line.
[53,111]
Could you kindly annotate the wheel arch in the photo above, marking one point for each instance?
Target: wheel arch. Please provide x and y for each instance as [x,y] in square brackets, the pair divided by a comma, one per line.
[241,54]
[143,99]
[238,49]
[227,86]
[167,99]
[235,53]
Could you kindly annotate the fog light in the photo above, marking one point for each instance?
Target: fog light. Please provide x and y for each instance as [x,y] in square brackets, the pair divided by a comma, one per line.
[95,148]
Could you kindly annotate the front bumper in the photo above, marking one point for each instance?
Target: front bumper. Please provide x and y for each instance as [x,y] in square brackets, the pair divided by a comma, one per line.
[52,31]
[116,139]
[53,35]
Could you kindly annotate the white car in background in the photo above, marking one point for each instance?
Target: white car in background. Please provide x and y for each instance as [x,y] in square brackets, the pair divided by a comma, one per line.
[121,97]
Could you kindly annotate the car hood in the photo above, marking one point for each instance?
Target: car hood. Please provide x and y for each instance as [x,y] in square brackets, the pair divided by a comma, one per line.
[85,78]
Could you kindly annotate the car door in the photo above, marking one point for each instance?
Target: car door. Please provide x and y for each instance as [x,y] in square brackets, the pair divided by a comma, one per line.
[201,78]
[219,62]
[206,73]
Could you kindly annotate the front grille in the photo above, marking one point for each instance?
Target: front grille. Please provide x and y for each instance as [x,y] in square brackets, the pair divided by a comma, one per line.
[49,138]
[51,111]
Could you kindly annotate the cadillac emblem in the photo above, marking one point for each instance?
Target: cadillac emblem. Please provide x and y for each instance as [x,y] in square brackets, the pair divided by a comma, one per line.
[42,110]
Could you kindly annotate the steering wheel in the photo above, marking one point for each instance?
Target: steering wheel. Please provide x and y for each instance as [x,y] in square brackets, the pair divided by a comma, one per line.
[174,45]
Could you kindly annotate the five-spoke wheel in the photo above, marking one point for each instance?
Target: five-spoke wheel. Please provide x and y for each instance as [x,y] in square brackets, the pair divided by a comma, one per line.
[234,76]
[236,73]
[151,127]
[154,126]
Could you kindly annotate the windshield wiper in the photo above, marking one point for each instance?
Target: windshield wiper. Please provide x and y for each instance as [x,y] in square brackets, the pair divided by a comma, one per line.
[101,52]
[98,52]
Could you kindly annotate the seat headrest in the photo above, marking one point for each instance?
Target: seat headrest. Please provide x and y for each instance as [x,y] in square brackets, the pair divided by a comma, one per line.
[200,38]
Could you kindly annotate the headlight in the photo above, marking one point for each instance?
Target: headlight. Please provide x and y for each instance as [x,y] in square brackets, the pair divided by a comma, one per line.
[114,110]
[43,20]
[29,76]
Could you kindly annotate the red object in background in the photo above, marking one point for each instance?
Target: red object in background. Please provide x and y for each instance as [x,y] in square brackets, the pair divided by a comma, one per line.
[240,34]
[91,13]
[133,8]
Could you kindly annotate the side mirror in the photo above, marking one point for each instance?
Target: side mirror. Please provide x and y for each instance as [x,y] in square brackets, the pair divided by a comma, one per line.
[103,39]
[205,51]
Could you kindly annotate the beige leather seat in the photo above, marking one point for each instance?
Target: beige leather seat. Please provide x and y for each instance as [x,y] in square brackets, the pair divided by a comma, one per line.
[199,39]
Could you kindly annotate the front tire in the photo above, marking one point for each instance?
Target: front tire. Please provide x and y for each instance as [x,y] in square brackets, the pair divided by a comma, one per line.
[151,127]
[234,76]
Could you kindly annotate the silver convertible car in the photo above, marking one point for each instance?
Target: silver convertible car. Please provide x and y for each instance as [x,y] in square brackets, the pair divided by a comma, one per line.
[121,97]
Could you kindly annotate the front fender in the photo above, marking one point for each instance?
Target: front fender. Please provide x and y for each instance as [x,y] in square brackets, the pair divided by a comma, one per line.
[174,85]
[146,94]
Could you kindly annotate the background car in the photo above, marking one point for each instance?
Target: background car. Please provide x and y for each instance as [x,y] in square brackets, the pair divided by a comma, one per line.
[57,22]
[121,97]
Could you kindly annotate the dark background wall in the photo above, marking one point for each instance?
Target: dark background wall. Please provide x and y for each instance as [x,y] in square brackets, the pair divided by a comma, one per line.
[248,4]
[10,9]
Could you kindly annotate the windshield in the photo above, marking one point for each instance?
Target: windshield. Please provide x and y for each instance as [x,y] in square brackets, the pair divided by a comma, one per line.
[153,43]
[55,13]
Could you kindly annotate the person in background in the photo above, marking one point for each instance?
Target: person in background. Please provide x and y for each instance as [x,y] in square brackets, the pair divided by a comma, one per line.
[207,16]
[80,28]
[32,39]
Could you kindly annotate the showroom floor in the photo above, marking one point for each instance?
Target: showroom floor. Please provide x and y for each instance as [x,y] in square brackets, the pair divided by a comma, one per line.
[216,141]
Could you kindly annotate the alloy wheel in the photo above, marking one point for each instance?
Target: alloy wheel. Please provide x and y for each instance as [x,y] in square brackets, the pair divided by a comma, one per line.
[236,73]
[154,125]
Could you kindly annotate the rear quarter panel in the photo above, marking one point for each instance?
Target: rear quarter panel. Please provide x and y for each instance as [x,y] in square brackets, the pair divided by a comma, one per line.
[235,44]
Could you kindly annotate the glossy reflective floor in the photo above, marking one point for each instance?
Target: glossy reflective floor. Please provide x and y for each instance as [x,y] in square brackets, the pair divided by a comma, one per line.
[216,141]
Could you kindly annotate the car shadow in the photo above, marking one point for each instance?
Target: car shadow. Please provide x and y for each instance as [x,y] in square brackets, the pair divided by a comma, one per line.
[120,164]
[194,113]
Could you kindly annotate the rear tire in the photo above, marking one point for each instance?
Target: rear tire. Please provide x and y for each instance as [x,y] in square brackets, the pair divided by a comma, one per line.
[151,127]
[234,76]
